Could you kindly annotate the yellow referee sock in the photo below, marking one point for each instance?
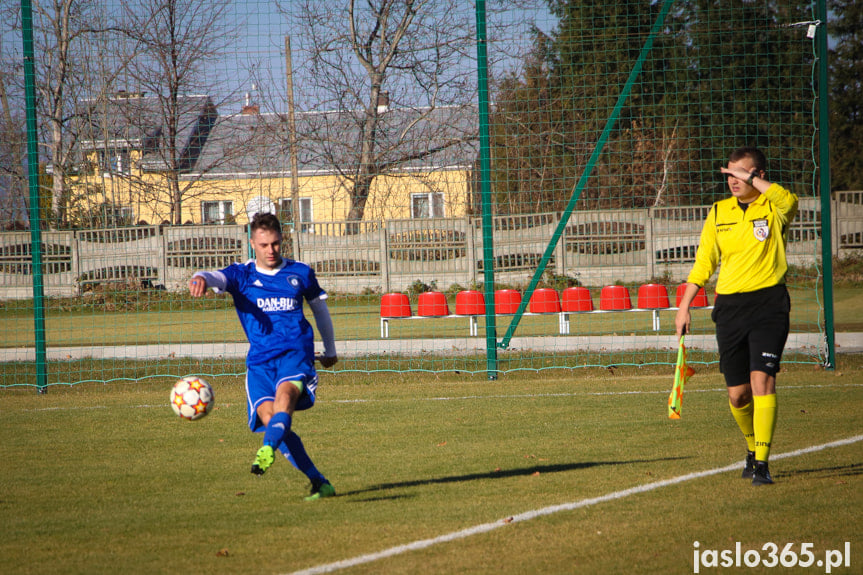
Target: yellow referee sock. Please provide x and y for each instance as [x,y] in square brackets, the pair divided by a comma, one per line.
[744,419]
[764,421]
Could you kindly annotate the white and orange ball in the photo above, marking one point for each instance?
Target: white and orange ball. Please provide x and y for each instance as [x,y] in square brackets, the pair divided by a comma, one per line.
[192,397]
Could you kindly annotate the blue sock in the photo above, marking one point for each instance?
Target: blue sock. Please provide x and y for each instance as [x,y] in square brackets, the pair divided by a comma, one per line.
[287,453]
[280,424]
[293,449]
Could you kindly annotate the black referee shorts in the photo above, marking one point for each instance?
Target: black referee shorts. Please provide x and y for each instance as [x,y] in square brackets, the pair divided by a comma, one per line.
[751,330]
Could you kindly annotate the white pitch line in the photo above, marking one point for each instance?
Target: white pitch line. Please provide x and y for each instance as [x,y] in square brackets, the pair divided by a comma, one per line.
[528,515]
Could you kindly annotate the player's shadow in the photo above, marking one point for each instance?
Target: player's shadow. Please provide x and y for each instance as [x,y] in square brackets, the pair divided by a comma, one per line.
[837,471]
[496,474]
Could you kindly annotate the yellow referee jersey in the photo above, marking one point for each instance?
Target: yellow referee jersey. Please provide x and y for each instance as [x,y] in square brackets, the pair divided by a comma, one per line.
[750,245]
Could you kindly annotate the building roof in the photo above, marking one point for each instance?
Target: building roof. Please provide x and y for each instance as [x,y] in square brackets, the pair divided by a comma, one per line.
[253,144]
[135,120]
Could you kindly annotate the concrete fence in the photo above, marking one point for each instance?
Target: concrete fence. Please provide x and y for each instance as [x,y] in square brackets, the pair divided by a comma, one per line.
[597,248]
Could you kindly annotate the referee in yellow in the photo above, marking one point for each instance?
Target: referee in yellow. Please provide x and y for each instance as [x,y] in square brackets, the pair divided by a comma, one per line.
[747,233]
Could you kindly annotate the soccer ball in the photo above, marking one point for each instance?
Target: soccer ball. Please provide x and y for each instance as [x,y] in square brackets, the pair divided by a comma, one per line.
[192,397]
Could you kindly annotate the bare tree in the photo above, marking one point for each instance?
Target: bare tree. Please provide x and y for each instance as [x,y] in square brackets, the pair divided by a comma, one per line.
[13,180]
[62,33]
[176,42]
[365,61]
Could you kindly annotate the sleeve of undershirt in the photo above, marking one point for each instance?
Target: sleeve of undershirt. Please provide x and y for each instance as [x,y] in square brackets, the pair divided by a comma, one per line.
[216,280]
[325,325]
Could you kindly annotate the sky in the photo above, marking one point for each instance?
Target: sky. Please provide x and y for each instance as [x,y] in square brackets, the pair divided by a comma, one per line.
[261,45]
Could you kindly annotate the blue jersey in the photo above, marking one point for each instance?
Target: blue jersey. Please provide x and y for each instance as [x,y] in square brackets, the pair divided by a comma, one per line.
[270,307]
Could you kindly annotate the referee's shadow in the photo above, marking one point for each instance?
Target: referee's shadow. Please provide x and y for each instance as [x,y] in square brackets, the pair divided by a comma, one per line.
[496,474]
[848,470]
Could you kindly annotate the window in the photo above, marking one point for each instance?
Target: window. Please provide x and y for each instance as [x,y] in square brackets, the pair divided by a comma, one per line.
[115,161]
[286,213]
[428,205]
[113,216]
[126,215]
[217,212]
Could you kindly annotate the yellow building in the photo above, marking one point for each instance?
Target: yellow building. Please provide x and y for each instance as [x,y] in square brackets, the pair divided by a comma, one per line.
[232,166]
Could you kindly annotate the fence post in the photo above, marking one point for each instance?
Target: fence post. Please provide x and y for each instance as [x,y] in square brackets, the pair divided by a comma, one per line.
[163,256]
[470,252]
[834,227]
[76,261]
[649,247]
[385,258]
[560,250]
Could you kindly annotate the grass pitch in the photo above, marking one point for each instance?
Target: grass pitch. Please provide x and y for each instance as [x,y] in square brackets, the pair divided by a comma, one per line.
[103,478]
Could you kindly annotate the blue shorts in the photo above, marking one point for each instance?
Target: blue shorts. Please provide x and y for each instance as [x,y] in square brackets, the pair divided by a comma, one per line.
[262,380]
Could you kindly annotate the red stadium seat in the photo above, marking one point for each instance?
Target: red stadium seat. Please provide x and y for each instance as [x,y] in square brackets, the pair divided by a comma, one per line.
[395,305]
[469,302]
[614,298]
[544,300]
[506,301]
[432,304]
[576,299]
[700,299]
[652,296]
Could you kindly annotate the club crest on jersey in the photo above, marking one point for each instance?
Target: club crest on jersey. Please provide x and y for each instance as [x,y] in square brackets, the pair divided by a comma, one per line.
[761,229]
[294,281]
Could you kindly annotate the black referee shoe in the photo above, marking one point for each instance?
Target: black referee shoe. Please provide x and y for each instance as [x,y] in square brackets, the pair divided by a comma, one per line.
[761,475]
[749,466]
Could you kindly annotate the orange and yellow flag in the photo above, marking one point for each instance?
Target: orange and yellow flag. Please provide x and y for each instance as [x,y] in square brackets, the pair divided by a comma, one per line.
[682,372]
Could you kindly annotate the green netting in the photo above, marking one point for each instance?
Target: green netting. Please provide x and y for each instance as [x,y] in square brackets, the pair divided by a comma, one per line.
[170,123]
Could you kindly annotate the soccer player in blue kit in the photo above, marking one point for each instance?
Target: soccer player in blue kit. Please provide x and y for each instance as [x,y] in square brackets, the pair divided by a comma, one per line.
[268,295]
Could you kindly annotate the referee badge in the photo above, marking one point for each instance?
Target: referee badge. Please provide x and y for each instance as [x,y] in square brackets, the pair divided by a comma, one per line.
[761,229]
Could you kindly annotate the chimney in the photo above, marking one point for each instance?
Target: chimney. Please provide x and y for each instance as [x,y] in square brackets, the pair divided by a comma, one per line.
[383,102]
[249,108]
